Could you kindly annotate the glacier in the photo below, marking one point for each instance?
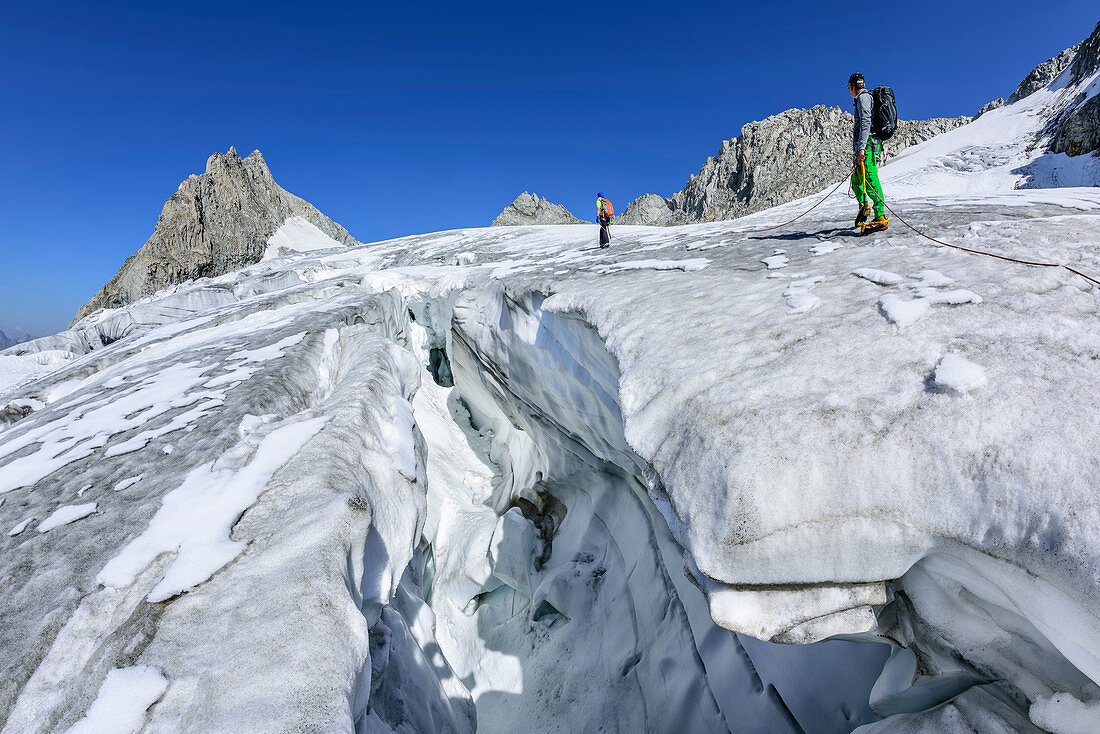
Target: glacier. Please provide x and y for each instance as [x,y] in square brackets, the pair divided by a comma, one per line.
[710,479]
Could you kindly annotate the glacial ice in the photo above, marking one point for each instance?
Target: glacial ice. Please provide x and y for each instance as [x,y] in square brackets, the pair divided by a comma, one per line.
[492,478]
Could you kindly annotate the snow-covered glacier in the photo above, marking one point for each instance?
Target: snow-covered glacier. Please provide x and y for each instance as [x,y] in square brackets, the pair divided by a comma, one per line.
[711,479]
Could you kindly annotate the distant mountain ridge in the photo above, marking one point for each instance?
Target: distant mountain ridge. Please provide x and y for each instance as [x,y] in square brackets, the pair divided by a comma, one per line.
[800,151]
[16,336]
[773,161]
[216,222]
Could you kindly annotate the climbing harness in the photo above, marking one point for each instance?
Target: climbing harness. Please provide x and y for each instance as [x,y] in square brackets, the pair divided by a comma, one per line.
[608,233]
[872,226]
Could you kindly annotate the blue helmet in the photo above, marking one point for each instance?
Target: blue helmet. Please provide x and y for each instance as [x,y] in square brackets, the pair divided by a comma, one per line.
[600,195]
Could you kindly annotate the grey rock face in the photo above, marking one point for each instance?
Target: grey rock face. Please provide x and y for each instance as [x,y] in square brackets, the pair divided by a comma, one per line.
[1044,74]
[1079,133]
[995,104]
[1076,130]
[530,209]
[776,160]
[216,222]
[649,209]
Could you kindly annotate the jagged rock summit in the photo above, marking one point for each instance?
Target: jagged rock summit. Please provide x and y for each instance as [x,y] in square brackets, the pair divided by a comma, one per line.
[530,209]
[216,222]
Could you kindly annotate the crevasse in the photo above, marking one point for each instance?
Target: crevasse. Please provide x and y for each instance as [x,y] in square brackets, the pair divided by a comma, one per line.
[559,595]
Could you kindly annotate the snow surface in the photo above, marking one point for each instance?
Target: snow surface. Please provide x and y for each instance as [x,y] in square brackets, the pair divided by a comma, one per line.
[65,515]
[495,478]
[1064,714]
[17,369]
[958,373]
[298,234]
[20,526]
[881,277]
[120,706]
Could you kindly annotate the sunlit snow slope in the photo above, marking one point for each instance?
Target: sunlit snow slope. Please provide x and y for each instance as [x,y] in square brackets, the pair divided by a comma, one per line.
[497,478]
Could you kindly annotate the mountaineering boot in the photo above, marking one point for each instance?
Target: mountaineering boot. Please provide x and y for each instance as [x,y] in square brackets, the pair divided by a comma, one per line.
[864,213]
[878,224]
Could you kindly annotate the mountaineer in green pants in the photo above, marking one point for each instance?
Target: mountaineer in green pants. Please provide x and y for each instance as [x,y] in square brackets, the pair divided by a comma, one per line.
[867,151]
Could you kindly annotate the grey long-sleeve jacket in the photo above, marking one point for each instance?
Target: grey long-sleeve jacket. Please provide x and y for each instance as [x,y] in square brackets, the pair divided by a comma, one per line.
[861,130]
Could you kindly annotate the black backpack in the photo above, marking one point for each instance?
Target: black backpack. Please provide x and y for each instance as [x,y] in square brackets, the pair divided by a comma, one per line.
[884,113]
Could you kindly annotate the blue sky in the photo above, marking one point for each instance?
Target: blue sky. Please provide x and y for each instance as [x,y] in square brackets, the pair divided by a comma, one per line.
[398,118]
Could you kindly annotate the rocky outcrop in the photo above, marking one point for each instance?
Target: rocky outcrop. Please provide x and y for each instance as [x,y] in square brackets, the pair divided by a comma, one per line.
[995,104]
[649,209]
[1076,131]
[1087,58]
[1044,74]
[774,161]
[215,223]
[1079,133]
[530,209]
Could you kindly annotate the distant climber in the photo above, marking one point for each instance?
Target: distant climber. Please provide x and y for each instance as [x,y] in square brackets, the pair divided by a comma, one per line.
[867,148]
[604,212]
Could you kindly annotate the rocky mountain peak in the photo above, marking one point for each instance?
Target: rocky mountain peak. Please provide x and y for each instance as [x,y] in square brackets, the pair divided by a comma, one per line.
[223,163]
[216,222]
[530,209]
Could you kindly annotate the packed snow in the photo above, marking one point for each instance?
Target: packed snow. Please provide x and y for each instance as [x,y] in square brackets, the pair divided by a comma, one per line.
[120,706]
[499,479]
[881,277]
[20,526]
[958,373]
[298,234]
[65,515]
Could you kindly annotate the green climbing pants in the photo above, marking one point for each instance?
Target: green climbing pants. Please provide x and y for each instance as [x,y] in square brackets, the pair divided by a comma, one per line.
[871,186]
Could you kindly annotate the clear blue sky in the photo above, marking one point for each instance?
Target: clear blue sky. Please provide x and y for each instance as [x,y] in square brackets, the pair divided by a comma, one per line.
[395,118]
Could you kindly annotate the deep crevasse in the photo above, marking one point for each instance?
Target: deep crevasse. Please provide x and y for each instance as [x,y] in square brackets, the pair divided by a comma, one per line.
[552,551]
